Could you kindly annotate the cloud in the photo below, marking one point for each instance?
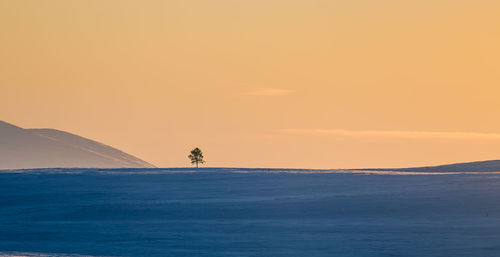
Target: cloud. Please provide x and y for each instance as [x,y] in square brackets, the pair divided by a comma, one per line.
[271,92]
[395,134]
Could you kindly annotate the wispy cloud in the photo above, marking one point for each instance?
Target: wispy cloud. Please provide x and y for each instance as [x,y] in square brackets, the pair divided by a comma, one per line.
[395,134]
[271,92]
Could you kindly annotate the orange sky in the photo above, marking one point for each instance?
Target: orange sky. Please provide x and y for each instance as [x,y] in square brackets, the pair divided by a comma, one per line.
[306,84]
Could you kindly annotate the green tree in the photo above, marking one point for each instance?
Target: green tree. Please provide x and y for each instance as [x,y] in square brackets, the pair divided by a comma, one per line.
[196,156]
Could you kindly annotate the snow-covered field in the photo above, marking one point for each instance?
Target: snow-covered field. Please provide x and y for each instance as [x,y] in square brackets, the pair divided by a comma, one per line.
[248,212]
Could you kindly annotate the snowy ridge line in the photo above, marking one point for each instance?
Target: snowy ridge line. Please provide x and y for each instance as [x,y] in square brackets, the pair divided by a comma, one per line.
[149,171]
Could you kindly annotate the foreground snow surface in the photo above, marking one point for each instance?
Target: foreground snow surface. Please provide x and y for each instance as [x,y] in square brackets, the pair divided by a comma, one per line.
[233,212]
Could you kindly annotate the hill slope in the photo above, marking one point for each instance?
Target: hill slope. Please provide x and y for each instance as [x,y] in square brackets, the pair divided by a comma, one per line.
[482,166]
[49,148]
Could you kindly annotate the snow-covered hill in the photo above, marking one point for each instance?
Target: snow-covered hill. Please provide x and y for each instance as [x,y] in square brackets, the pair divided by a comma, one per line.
[481,166]
[49,148]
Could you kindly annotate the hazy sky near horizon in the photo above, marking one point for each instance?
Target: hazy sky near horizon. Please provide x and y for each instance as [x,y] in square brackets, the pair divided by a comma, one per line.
[275,83]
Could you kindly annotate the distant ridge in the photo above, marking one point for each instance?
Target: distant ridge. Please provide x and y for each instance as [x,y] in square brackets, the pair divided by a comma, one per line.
[50,148]
[480,166]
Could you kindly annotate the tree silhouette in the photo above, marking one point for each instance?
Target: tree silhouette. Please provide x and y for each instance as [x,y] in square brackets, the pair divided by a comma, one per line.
[196,156]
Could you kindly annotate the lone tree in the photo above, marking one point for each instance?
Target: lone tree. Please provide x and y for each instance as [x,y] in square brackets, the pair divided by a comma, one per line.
[196,156]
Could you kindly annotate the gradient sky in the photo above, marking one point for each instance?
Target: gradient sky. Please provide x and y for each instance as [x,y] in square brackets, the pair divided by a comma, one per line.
[274,83]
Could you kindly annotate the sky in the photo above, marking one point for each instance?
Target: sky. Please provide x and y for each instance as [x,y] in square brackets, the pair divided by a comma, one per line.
[261,83]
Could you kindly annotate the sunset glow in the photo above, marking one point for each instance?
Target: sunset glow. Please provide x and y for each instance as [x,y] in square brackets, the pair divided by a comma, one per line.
[292,84]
